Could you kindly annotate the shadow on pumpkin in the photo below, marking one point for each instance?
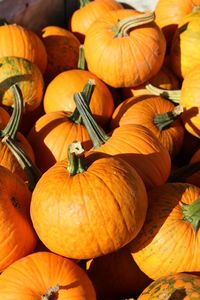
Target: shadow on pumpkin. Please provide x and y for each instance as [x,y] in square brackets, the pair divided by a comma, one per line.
[187,116]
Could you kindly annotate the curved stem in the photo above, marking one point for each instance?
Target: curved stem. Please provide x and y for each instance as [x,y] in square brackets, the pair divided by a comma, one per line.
[32,172]
[162,121]
[81,58]
[76,159]
[96,134]
[191,213]
[15,119]
[84,3]
[172,95]
[50,293]
[88,92]
[123,26]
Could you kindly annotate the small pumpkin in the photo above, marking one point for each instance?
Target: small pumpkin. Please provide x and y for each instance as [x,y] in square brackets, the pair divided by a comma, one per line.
[18,237]
[45,276]
[88,12]
[107,187]
[175,286]
[19,41]
[170,233]
[124,48]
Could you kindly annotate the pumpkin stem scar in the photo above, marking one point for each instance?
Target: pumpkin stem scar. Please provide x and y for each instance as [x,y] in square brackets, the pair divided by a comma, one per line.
[51,293]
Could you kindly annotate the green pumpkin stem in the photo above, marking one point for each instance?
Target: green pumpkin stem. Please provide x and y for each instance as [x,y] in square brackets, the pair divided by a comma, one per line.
[191,213]
[196,8]
[76,159]
[172,95]
[84,3]
[181,174]
[96,134]
[123,26]
[32,172]
[50,293]
[15,119]
[81,58]
[88,92]
[163,121]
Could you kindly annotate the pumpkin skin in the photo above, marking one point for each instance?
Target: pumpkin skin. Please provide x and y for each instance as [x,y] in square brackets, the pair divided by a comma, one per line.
[144,112]
[62,48]
[30,277]
[59,95]
[18,237]
[116,275]
[142,150]
[184,56]
[119,195]
[169,13]
[16,40]
[27,76]
[52,133]
[82,18]
[176,286]
[119,61]
[166,241]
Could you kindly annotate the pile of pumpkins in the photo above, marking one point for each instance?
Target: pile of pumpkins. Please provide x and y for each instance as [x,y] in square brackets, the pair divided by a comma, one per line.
[100,155]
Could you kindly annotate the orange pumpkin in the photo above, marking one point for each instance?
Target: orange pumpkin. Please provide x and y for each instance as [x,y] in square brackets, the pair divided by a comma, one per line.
[107,187]
[160,116]
[16,70]
[88,12]
[44,276]
[124,48]
[60,92]
[62,48]
[16,40]
[175,286]
[171,231]
[17,237]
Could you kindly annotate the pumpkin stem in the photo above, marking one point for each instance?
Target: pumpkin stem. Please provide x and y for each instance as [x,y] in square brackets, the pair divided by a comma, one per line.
[32,172]
[50,293]
[84,3]
[181,174]
[96,134]
[196,8]
[76,159]
[191,213]
[123,26]
[15,119]
[173,95]
[81,58]
[162,121]
[3,22]
[87,91]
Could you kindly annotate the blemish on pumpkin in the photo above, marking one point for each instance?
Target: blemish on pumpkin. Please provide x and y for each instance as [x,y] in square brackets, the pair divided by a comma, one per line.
[15,203]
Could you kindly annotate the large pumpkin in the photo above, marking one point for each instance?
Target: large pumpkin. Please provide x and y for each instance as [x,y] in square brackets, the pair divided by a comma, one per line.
[124,48]
[171,231]
[17,237]
[88,12]
[16,40]
[175,286]
[45,276]
[82,212]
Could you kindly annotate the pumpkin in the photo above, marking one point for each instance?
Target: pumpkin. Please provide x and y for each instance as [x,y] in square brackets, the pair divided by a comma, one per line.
[60,92]
[134,143]
[54,131]
[175,286]
[15,70]
[116,275]
[194,178]
[160,116]
[62,48]
[169,14]
[124,48]
[170,233]
[103,203]
[45,275]
[89,11]
[184,55]
[17,237]
[19,41]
